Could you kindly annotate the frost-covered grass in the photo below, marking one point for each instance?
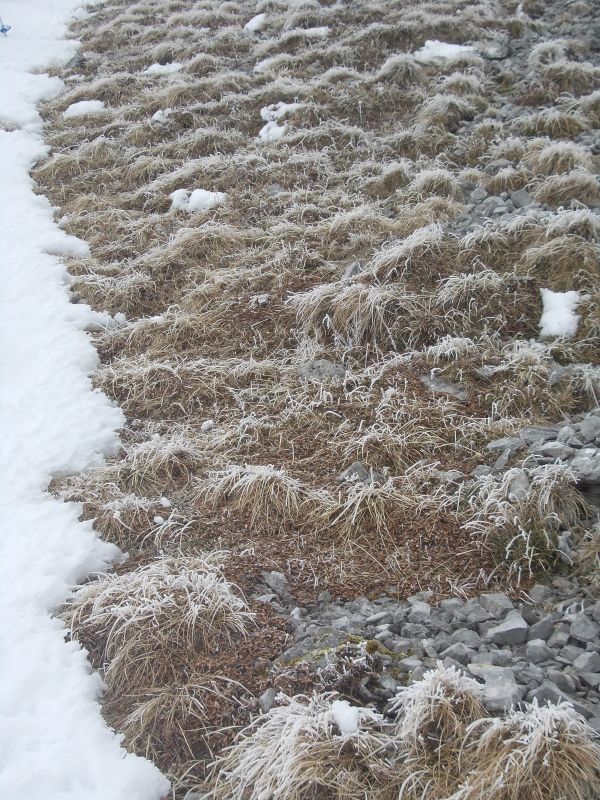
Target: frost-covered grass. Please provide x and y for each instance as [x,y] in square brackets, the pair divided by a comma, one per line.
[147,620]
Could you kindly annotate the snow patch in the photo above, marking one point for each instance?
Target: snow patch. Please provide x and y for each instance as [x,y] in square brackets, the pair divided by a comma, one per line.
[345,716]
[271,132]
[559,317]
[84,108]
[256,24]
[198,200]
[161,115]
[434,51]
[163,69]
[53,740]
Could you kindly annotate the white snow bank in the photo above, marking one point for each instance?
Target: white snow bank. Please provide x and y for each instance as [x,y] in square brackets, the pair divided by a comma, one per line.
[434,51]
[54,744]
[84,107]
[256,24]
[163,69]
[198,200]
[559,317]
[345,716]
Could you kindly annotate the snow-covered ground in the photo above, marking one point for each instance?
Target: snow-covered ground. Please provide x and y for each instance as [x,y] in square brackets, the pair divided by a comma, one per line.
[53,742]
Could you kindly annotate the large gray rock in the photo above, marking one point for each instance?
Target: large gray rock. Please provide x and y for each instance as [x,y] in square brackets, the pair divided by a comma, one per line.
[556,450]
[521,198]
[589,428]
[500,691]
[584,629]
[549,692]
[539,593]
[512,631]
[496,603]
[537,650]
[586,465]
[542,629]
[277,582]
[587,662]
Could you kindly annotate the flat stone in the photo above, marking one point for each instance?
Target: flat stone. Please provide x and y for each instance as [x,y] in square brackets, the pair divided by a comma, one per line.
[584,629]
[358,473]
[549,692]
[321,370]
[556,450]
[521,198]
[277,582]
[512,631]
[512,443]
[570,653]
[439,386]
[379,618]
[537,650]
[542,629]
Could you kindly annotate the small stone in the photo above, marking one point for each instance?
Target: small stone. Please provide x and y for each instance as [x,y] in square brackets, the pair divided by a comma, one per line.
[492,167]
[358,473]
[482,470]
[439,386]
[467,636]
[320,370]
[570,653]
[555,450]
[542,629]
[259,300]
[586,466]
[409,664]
[521,198]
[379,618]
[267,699]
[451,605]
[459,652]
[558,639]
[413,630]
[537,650]
[584,629]
[420,612]
[500,691]
[564,682]
[277,582]
[512,631]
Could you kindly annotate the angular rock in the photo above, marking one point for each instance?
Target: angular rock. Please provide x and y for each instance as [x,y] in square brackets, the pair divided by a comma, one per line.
[587,662]
[537,650]
[556,450]
[500,691]
[277,582]
[267,699]
[539,593]
[409,664]
[466,636]
[496,603]
[512,443]
[586,465]
[542,629]
[521,198]
[564,681]
[459,652]
[589,428]
[584,629]
[590,679]
[512,631]
[549,692]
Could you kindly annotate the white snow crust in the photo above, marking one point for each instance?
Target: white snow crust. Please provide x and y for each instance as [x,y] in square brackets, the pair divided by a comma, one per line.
[84,107]
[559,317]
[256,24]
[163,69]
[198,200]
[345,716]
[435,51]
[54,744]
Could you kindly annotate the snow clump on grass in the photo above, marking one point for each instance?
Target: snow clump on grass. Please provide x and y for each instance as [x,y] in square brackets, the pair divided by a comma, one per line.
[84,108]
[256,24]
[305,748]
[197,200]
[559,317]
[434,51]
[163,69]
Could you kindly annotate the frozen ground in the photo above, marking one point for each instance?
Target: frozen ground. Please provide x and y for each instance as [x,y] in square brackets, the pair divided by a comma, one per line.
[53,741]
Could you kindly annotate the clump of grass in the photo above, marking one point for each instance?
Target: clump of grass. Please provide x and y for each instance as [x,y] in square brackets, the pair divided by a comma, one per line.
[521,528]
[532,754]
[268,494]
[435,181]
[579,184]
[558,158]
[303,749]
[172,457]
[144,623]
[432,718]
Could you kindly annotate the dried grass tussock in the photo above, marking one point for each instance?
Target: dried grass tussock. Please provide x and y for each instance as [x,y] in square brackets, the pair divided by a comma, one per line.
[354,274]
[146,620]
